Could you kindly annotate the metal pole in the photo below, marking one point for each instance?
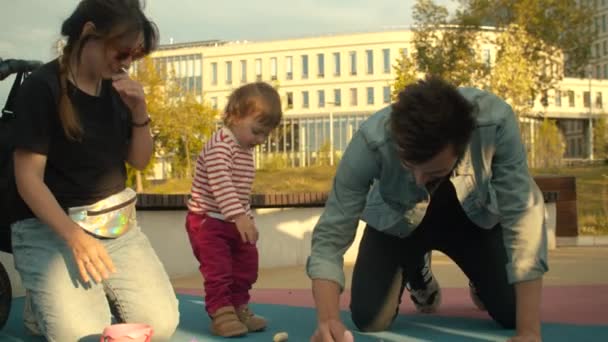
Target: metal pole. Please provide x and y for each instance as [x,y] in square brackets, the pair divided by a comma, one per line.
[590,115]
[331,137]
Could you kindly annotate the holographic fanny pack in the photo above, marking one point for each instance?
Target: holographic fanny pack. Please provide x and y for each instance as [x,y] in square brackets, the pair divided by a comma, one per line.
[109,218]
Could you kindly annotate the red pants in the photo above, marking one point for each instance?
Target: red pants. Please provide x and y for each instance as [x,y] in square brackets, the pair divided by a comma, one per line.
[229,266]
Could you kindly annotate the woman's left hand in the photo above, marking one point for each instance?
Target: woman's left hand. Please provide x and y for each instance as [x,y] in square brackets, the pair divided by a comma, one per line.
[132,94]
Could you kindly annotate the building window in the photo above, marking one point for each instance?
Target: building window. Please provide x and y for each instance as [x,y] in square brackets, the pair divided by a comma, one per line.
[321,65]
[369,54]
[544,98]
[558,98]
[304,66]
[571,98]
[370,95]
[289,100]
[605,71]
[229,72]
[305,99]
[213,73]
[214,102]
[353,96]
[258,69]
[273,68]
[586,99]
[321,95]
[598,71]
[598,100]
[336,64]
[337,97]
[198,84]
[386,60]
[289,68]
[243,71]
[386,94]
[353,62]
[487,57]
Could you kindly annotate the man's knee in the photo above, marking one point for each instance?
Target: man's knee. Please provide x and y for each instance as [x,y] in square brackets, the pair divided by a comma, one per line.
[504,315]
[377,313]
[367,320]
[501,308]
[505,318]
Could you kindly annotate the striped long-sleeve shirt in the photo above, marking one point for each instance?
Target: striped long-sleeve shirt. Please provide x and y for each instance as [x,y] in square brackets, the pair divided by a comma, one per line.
[223,178]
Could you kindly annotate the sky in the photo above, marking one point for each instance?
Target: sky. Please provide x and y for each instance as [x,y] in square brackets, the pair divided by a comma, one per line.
[31,27]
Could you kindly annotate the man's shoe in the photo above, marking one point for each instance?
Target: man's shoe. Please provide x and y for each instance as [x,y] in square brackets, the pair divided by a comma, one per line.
[425,291]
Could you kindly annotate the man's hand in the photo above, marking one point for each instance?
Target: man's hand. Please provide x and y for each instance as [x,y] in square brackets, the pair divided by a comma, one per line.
[332,331]
[525,338]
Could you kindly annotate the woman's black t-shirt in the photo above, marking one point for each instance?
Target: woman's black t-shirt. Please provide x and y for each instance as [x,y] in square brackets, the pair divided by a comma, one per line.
[77,172]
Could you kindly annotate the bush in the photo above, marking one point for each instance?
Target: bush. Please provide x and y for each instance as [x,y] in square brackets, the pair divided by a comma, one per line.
[274,162]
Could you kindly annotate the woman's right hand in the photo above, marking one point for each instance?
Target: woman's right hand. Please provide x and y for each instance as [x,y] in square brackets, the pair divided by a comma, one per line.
[91,256]
[332,331]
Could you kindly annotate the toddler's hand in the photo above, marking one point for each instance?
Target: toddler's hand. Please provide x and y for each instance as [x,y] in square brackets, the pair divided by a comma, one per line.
[246,228]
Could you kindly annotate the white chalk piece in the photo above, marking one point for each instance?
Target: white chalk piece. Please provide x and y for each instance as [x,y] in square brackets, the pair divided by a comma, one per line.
[280,337]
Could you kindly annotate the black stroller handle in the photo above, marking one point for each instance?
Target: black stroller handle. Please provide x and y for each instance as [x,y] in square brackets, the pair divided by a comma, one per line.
[13,66]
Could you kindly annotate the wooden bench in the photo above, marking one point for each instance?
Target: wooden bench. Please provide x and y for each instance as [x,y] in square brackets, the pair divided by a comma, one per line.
[560,190]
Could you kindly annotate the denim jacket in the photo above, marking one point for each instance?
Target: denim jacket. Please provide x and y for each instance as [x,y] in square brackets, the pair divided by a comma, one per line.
[492,183]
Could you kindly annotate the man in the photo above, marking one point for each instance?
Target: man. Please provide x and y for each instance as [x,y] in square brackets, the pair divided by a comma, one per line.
[441,169]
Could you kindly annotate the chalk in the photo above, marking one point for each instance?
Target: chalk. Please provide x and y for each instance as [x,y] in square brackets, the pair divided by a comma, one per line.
[280,337]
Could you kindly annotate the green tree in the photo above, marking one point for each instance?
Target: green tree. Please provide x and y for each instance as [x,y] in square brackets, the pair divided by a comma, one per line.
[324,154]
[511,74]
[181,124]
[444,49]
[153,85]
[600,138]
[406,73]
[184,127]
[559,31]
[549,146]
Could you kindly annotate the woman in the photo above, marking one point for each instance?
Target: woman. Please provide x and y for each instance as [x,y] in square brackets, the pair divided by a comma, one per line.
[76,242]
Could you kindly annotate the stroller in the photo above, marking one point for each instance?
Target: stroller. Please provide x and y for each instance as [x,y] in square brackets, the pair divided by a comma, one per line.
[21,68]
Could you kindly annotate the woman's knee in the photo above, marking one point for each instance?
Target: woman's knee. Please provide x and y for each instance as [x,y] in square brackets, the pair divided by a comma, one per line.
[163,319]
[73,328]
[164,326]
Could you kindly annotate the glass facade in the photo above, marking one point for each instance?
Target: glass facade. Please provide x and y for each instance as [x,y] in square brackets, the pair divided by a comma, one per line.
[186,70]
[303,141]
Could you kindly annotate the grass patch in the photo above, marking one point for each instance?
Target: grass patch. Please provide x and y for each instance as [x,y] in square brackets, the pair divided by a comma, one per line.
[289,180]
[307,179]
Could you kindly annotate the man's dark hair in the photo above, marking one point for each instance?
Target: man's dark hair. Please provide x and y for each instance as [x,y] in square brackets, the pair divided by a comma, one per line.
[427,117]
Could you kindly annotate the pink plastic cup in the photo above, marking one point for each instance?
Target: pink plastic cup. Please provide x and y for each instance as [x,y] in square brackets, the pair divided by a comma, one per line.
[127,332]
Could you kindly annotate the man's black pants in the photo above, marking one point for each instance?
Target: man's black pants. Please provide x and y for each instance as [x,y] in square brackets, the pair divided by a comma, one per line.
[385,263]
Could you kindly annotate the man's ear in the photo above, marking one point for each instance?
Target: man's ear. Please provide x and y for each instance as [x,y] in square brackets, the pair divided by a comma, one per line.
[88,29]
